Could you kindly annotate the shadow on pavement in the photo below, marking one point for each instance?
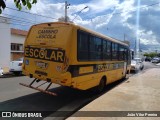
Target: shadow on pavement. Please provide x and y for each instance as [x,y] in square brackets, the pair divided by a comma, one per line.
[65,97]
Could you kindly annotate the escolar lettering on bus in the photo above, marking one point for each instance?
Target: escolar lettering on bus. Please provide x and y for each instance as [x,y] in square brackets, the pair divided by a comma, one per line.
[45,54]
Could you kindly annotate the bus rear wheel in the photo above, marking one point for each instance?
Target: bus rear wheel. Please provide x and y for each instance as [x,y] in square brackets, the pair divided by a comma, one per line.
[101,85]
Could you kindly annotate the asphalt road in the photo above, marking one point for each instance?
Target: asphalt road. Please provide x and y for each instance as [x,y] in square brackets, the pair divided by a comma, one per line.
[148,65]
[14,97]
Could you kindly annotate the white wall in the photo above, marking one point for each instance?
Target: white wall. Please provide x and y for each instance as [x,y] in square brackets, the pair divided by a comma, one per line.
[5,41]
[17,39]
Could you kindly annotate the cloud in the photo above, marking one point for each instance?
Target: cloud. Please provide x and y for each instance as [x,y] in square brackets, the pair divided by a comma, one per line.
[116,25]
[125,9]
[114,18]
[98,6]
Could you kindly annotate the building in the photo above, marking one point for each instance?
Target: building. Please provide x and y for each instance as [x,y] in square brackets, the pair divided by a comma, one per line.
[17,43]
[5,41]
[11,43]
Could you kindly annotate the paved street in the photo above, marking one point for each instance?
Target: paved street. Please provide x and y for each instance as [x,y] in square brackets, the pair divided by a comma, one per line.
[79,44]
[139,95]
[14,97]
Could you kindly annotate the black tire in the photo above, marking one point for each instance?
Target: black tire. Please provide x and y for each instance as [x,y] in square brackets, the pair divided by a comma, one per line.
[124,77]
[17,73]
[142,67]
[101,85]
[135,71]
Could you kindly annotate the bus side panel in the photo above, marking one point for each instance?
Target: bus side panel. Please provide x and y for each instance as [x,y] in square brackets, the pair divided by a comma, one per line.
[91,80]
[85,82]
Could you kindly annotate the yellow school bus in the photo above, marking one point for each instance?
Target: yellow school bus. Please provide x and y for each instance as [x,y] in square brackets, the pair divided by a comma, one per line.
[71,55]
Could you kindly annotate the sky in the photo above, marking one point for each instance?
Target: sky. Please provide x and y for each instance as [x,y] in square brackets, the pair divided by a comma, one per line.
[132,20]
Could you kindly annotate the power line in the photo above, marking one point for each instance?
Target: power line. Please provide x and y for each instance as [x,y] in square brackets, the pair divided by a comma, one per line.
[79,13]
[57,19]
[139,8]
[31,13]
[18,20]
[33,22]
[16,24]
[134,9]
[18,17]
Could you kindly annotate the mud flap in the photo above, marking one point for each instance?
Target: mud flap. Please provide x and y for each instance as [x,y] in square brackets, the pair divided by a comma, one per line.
[39,89]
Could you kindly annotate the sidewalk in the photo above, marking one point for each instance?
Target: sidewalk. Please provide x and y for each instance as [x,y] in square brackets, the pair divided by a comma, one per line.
[140,92]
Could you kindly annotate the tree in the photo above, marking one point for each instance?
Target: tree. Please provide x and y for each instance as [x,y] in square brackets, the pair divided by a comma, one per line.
[18,3]
[146,54]
[152,54]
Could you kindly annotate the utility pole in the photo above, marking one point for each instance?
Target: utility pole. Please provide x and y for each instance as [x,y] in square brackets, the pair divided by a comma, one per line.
[66,7]
[135,49]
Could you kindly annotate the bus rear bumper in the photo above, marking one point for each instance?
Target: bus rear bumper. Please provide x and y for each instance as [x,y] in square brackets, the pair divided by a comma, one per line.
[64,79]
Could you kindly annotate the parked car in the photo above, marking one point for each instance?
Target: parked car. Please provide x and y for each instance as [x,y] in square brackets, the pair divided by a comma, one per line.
[155,60]
[16,66]
[136,66]
[148,59]
[140,62]
[1,71]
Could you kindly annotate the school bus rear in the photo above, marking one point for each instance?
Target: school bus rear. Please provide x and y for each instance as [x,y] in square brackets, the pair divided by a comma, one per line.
[46,52]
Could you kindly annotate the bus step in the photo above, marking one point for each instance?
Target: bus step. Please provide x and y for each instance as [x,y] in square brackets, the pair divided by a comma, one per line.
[41,90]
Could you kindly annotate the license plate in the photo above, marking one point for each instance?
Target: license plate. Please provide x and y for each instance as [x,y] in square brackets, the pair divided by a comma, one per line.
[42,65]
[41,72]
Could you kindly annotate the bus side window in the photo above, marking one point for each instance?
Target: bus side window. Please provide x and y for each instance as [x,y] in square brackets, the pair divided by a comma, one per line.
[106,50]
[129,57]
[114,51]
[125,54]
[109,53]
[95,48]
[121,52]
[82,46]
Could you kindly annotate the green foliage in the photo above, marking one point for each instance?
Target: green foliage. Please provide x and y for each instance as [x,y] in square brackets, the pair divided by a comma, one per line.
[2,5]
[146,54]
[152,54]
[19,4]
[27,3]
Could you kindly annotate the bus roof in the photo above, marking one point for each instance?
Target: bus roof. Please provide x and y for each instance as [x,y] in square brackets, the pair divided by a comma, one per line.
[103,36]
[88,30]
